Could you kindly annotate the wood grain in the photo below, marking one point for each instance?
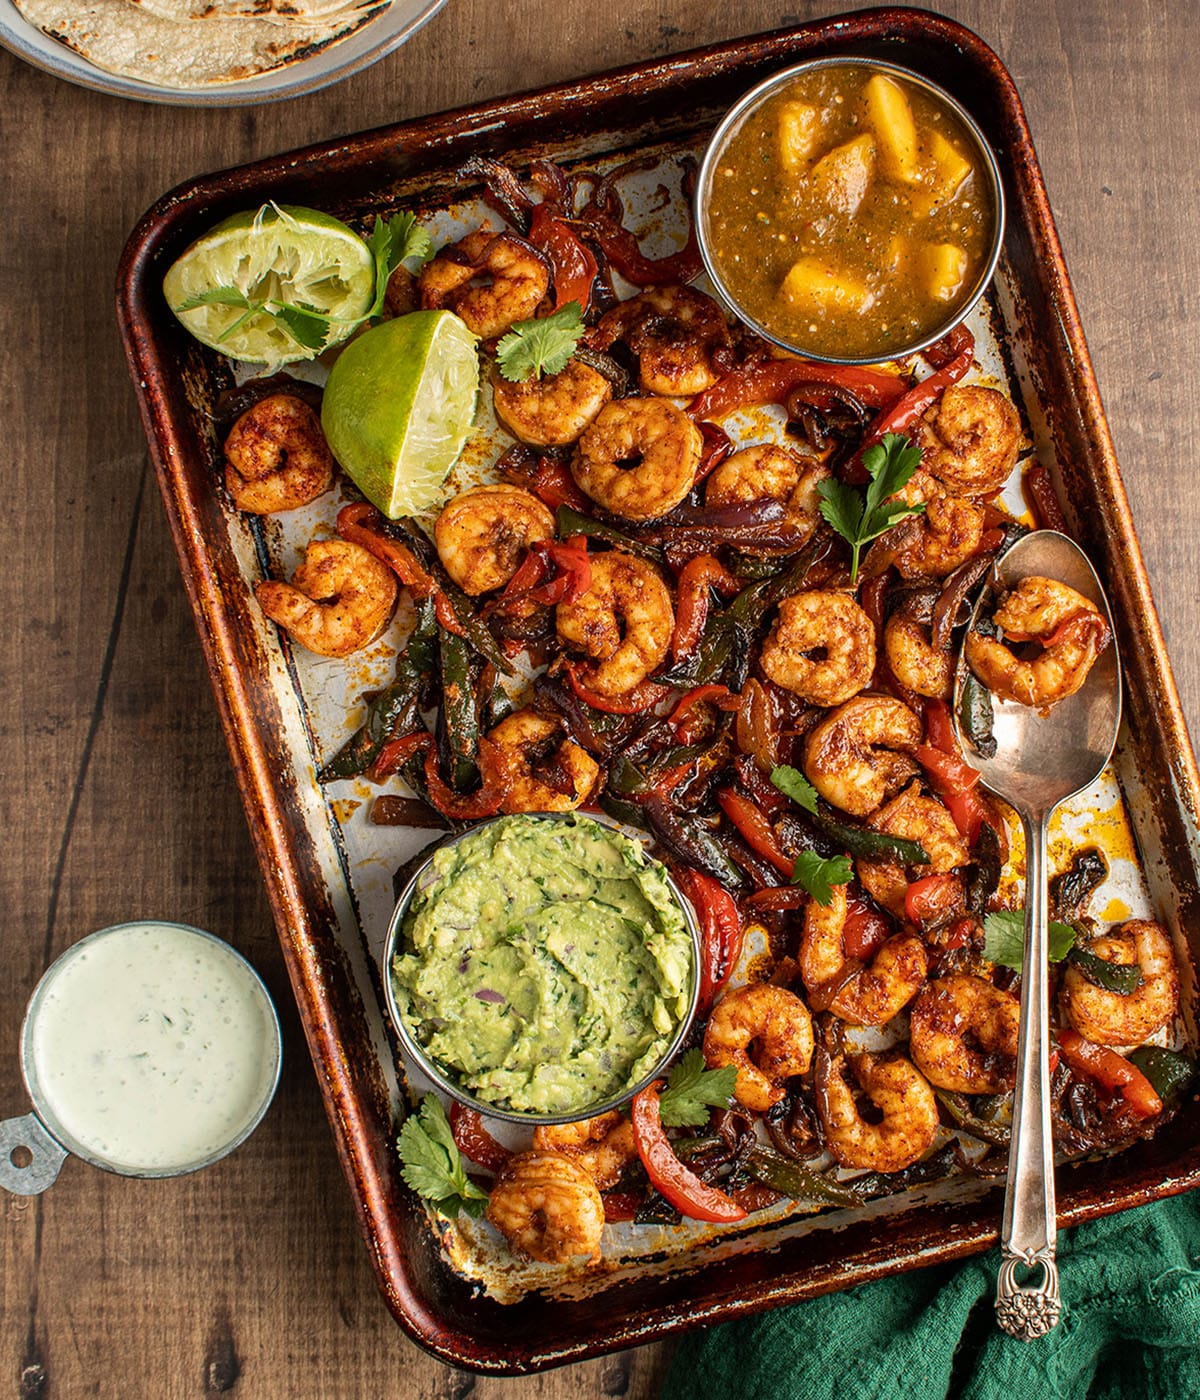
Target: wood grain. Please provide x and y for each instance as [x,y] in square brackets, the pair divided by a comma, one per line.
[249,1279]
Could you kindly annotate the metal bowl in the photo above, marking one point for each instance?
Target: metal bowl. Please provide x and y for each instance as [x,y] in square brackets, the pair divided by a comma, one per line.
[444,1078]
[763,92]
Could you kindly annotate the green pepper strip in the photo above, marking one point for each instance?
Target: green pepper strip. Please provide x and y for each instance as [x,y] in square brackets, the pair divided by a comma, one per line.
[799,1182]
[474,629]
[975,715]
[569,521]
[859,841]
[1122,978]
[1168,1071]
[392,705]
[458,709]
[958,1107]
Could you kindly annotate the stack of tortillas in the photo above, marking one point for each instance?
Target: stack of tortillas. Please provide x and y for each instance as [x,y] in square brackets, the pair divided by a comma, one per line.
[196,43]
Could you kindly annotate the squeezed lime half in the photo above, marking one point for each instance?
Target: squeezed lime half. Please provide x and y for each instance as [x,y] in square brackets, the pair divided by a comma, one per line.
[273,285]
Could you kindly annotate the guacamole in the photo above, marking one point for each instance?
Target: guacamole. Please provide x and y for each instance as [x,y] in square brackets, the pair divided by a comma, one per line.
[547,967]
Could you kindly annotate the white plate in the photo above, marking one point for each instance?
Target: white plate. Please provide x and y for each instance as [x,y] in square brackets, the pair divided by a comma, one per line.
[380,36]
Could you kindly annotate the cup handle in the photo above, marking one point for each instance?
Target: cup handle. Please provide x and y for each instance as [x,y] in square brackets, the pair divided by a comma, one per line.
[27,1135]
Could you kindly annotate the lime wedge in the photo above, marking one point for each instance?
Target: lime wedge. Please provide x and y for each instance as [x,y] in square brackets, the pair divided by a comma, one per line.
[398,408]
[273,285]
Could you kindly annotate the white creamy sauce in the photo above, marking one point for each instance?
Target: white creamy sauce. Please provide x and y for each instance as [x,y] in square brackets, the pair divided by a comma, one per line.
[154,1047]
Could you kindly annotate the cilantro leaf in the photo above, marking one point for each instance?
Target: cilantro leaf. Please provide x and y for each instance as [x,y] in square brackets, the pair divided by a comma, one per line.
[306,326]
[692,1090]
[394,242]
[219,296]
[542,346]
[792,783]
[1004,938]
[890,463]
[432,1165]
[818,876]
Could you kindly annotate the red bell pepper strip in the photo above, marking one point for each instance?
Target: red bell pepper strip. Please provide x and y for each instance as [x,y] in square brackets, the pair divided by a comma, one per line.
[773,380]
[1111,1071]
[572,264]
[959,933]
[668,1175]
[951,777]
[865,930]
[553,485]
[719,695]
[778,898]
[1039,490]
[696,579]
[1072,629]
[474,1141]
[395,752]
[469,806]
[720,931]
[755,829]
[716,445]
[931,898]
[644,696]
[359,523]
[621,248]
[619,1206]
[574,576]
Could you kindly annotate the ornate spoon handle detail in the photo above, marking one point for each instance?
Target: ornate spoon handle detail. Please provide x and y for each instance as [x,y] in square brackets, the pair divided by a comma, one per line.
[1027,1235]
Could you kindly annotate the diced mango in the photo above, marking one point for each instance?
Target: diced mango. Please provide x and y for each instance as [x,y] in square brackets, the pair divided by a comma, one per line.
[840,179]
[944,268]
[943,175]
[799,128]
[814,287]
[890,117]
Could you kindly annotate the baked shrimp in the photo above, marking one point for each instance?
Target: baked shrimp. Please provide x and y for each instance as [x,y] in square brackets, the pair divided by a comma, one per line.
[338,601]
[622,623]
[904,1123]
[547,1207]
[821,648]
[603,1146]
[638,457]
[1069,629]
[536,766]
[913,816]
[857,756]
[860,995]
[276,456]
[963,1035]
[483,534]
[969,440]
[769,472]
[679,336]
[766,1033]
[551,411]
[490,280]
[1124,1018]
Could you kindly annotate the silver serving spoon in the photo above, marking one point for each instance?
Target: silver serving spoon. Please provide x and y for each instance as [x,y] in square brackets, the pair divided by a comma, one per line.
[1040,761]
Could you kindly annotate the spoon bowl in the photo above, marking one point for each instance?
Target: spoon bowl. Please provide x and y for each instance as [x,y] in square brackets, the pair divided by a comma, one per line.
[1041,758]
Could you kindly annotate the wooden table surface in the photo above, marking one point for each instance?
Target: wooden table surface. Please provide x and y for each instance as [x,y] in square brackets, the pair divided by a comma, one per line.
[250,1278]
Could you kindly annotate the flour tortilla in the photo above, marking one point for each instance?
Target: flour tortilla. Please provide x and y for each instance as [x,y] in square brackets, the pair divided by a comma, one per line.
[281,12]
[122,38]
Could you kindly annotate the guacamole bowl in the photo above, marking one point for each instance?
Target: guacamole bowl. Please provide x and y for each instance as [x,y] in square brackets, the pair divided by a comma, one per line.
[542,967]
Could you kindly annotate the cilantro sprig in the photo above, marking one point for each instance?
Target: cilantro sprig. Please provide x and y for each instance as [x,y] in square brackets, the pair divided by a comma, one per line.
[1004,939]
[890,463]
[817,875]
[541,346]
[432,1165]
[792,783]
[692,1090]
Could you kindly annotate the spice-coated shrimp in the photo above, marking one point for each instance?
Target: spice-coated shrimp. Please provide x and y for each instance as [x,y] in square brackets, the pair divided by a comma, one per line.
[766,1031]
[490,280]
[912,816]
[969,440]
[679,335]
[638,457]
[623,622]
[1129,1018]
[900,1093]
[536,766]
[603,1146]
[483,533]
[821,648]
[276,456]
[860,995]
[553,410]
[338,601]
[963,1035]
[857,755]
[547,1207]
[769,472]
[1070,628]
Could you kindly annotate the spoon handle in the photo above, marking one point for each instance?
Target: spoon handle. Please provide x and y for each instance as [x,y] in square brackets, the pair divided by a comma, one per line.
[1028,1233]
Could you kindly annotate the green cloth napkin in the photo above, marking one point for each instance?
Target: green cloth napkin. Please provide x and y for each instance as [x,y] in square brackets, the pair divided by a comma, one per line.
[1130,1328]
